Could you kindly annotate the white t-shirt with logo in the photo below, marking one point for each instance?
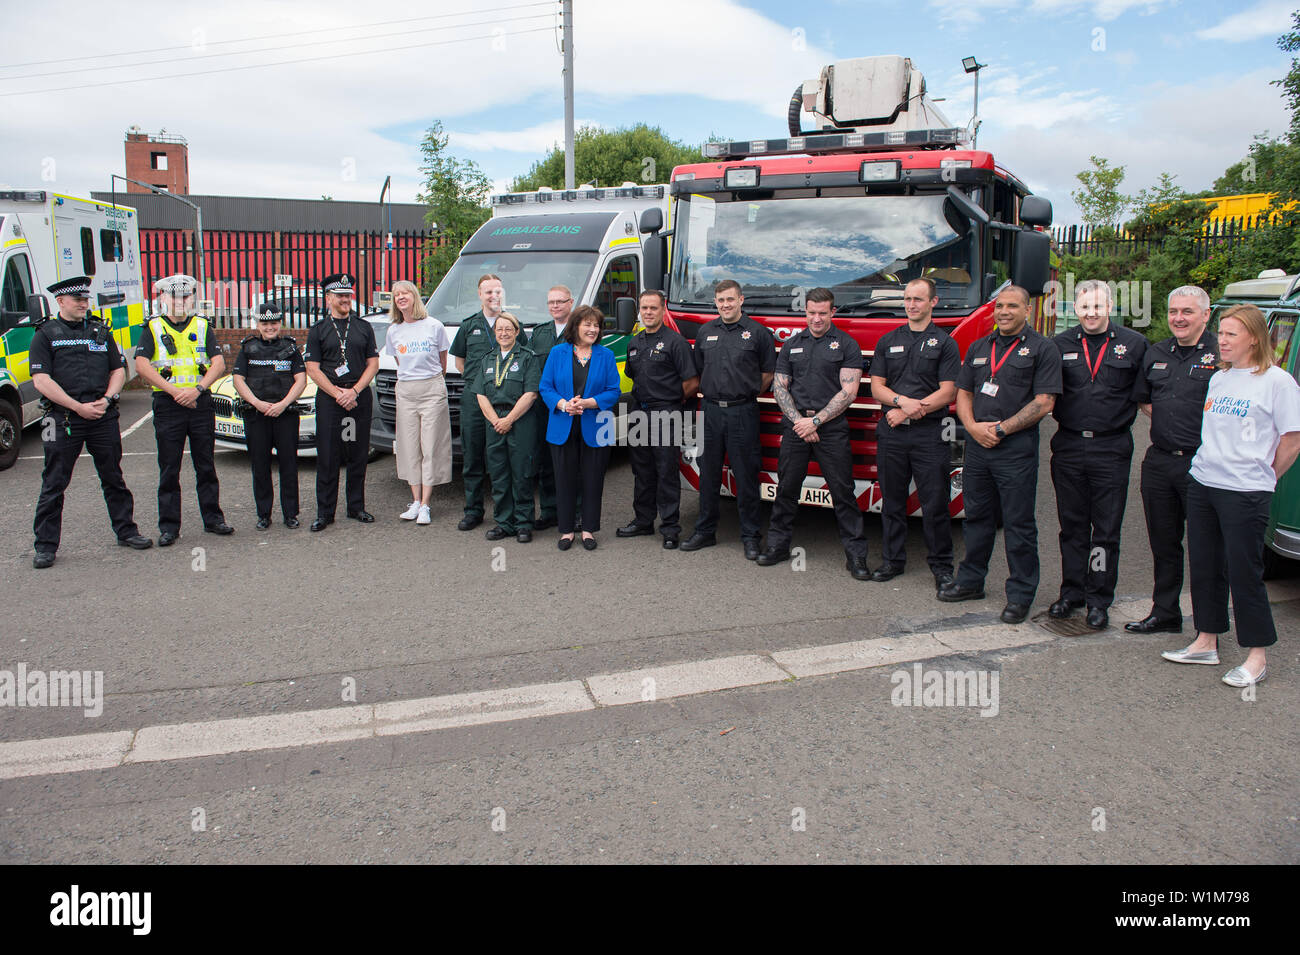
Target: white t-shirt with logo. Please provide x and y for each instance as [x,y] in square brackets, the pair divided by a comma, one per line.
[417,346]
[1245,417]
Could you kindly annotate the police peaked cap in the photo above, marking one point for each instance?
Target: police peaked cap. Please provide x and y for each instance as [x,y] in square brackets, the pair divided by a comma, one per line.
[341,284]
[176,285]
[77,287]
[270,312]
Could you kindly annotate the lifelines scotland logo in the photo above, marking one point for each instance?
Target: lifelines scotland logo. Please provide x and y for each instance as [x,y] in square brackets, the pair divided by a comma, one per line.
[1228,405]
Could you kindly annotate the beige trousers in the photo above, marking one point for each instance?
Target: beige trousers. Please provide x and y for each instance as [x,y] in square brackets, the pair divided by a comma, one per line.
[423,442]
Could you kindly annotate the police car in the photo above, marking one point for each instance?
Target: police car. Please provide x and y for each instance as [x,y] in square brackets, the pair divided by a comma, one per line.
[230,422]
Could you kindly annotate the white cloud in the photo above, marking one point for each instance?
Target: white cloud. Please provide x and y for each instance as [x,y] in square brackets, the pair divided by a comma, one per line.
[967,13]
[1266,19]
[541,138]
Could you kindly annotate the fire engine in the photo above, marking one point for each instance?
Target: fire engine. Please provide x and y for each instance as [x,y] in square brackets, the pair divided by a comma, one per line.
[884,191]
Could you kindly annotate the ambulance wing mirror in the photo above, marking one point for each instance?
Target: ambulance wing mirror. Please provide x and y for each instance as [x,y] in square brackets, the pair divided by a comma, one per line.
[624,315]
[652,220]
[654,260]
[1031,261]
[38,309]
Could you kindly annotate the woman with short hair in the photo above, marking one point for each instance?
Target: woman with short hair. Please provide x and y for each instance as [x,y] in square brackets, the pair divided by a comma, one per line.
[1250,435]
[580,385]
[422,439]
[505,387]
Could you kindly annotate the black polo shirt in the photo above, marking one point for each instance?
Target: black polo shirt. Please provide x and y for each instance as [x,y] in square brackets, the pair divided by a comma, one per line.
[1105,402]
[82,361]
[325,345]
[915,363]
[658,363]
[1174,381]
[814,366]
[731,359]
[1028,365]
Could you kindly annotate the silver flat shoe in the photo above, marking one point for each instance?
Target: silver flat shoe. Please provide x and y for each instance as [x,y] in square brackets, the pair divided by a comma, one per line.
[1209,657]
[1240,676]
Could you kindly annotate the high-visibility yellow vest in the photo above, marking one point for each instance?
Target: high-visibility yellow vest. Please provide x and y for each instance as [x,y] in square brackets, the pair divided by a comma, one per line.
[191,343]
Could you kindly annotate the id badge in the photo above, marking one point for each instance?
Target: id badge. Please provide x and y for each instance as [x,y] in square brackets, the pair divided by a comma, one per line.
[341,370]
[989,388]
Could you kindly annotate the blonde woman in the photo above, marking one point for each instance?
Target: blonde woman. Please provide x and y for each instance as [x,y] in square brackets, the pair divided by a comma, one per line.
[1250,435]
[419,345]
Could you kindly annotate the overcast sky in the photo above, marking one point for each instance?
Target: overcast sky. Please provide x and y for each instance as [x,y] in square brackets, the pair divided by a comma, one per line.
[1152,85]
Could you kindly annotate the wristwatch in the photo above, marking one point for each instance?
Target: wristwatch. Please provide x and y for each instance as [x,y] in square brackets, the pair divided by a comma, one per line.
[817,421]
[998,430]
[113,399]
[201,388]
[896,404]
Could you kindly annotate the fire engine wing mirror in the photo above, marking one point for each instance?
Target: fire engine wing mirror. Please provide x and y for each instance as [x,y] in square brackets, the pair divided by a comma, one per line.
[1035,210]
[652,220]
[37,308]
[654,260]
[966,206]
[1031,261]
[624,315]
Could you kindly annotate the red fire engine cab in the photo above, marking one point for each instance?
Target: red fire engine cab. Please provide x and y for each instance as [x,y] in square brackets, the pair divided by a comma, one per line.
[883,193]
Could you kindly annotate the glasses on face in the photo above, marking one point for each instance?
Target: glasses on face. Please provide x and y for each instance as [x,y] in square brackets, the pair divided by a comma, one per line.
[558,301]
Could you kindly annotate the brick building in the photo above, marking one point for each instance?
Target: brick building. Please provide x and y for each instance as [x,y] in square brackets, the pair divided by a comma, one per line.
[162,161]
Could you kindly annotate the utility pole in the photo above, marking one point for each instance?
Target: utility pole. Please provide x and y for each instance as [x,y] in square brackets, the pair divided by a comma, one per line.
[198,216]
[567,41]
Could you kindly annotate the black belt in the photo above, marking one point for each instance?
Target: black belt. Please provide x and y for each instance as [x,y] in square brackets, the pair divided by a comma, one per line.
[660,405]
[1180,453]
[1094,434]
[730,404]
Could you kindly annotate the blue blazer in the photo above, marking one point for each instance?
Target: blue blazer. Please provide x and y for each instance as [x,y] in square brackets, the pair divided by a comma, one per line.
[603,384]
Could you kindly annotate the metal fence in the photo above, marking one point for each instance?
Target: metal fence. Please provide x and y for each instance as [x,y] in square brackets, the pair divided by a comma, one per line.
[1216,236]
[242,269]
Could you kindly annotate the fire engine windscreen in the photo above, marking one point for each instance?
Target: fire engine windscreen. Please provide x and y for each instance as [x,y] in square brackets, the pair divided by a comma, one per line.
[864,248]
[525,278]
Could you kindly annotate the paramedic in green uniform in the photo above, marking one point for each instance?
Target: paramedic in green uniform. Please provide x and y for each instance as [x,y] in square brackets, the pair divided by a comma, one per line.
[506,387]
[474,341]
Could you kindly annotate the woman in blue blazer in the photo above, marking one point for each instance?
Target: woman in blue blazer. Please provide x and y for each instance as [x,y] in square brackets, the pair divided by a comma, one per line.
[580,386]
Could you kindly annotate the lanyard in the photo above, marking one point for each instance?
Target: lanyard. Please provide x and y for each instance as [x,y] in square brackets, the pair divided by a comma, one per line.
[343,338]
[993,359]
[1087,358]
[501,375]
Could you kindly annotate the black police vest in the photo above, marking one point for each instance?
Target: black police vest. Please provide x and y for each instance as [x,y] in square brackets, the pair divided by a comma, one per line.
[79,362]
[270,366]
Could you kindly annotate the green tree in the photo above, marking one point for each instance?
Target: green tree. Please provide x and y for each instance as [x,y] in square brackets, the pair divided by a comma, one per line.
[1100,200]
[1166,209]
[1267,160]
[456,193]
[640,154]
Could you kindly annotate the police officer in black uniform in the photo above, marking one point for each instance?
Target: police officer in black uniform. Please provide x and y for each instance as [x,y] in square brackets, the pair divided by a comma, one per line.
[662,369]
[914,377]
[817,377]
[1092,451]
[735,358]
[1006,386]
[78,369]
[269,377]
[342,357]
[1171,391]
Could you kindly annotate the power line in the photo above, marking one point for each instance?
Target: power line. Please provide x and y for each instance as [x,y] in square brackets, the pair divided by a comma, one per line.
[276,36]
[269,49]
[258,66]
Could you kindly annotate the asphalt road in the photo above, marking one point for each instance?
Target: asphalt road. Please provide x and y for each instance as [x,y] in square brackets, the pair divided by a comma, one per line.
[267,622]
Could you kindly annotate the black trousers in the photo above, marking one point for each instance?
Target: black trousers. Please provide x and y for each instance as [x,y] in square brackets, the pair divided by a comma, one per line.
[1164,501]
[1225,547]
[579,468]
[545,478]
[103,441]
[1091,477]
[263,434]
[835,458]
[730,433]
[473,453]
[1002,480]
[332,452]
[915,452]
[172,424]
[656,478]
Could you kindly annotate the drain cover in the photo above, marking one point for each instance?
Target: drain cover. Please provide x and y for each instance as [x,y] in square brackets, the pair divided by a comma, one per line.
[1076,626]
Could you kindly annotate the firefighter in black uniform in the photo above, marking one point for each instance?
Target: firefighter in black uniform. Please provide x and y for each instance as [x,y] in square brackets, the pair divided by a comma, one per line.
[1092,451]
[341,356]
[735,358]
[78,369]
[1006,386]
[914,377]
[270,376]
[178,356]
[817,377]
[662,369]
[1171,391]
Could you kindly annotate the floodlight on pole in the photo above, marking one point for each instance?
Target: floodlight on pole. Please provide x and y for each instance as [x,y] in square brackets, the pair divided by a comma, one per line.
[972,65]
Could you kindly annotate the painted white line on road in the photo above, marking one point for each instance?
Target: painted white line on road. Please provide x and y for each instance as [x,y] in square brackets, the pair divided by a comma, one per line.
[131,430]
[683,679]
[64,754]
[473,709]
[996,636]
[189,740]
[859,654]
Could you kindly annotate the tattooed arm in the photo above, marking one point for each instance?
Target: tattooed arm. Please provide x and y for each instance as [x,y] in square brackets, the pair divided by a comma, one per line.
[850,378]
[1030,414]
[781,392]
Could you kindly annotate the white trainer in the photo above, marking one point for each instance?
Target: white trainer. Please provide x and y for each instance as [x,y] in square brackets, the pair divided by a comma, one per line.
[412,512]
[424,516]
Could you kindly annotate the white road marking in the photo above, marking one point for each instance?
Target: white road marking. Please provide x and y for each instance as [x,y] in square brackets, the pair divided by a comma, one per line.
[131,430]
[683,679]
[65,754]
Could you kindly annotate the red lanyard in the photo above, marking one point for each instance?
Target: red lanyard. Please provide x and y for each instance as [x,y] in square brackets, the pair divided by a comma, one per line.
[993,352]
[1087,358]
